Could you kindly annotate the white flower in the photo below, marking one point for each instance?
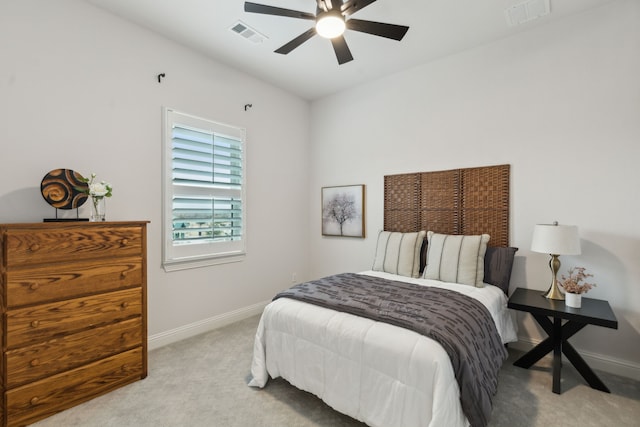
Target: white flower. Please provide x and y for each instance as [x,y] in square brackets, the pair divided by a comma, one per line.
[98,189]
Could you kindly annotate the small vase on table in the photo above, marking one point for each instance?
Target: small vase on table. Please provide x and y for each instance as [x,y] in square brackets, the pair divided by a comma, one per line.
[98,209]
[573,300]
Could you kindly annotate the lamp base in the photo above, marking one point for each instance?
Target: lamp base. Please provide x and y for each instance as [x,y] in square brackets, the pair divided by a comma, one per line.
[554,290]
[554,293]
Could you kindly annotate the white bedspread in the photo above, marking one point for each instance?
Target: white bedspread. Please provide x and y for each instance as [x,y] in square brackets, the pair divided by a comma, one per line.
[377,373]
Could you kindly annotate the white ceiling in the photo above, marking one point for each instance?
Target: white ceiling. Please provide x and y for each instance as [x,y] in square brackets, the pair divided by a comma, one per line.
[437,28]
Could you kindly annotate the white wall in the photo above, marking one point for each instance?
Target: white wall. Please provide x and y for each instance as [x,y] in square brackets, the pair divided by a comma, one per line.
[560,104]
[78,90]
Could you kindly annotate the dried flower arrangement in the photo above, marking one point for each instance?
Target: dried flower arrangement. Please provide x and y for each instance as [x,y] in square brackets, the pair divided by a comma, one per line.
[572,283]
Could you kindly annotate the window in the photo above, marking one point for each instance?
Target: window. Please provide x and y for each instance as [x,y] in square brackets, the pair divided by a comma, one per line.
[204,182]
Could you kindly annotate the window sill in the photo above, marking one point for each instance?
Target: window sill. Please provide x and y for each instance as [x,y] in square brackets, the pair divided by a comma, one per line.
[186,264]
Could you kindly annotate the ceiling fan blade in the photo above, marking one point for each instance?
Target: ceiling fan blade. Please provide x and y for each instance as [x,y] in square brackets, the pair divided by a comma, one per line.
[297,41]
[343,54]
[278,11]
[352,6]
[390,31]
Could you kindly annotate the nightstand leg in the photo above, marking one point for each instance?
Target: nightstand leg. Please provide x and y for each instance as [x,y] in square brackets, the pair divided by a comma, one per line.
[539,351]
[581,366]
[557,354]
[568,330]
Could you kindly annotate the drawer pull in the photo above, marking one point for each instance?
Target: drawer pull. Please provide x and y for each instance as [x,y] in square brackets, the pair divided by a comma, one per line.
[34,400]
[35,323]
[123,275]
[34,247]
[34,363]
[124,304]
[124,242]
[34,286]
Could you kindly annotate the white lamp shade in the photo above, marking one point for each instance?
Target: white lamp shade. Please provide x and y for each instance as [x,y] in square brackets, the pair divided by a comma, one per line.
[556,239]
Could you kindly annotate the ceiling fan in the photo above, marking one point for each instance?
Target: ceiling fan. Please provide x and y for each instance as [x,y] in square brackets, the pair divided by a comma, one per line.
[331,23]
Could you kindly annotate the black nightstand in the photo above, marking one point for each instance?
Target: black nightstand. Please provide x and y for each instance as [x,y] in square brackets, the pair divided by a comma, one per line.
[593,312]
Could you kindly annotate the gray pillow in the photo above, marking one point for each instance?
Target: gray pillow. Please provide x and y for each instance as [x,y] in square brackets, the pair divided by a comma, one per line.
[498,262]
[423,255]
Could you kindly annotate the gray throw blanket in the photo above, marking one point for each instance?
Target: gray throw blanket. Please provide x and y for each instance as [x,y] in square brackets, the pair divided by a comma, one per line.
[462,325]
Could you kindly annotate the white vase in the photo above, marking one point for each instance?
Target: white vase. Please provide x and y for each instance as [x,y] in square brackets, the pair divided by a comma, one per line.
[573,300]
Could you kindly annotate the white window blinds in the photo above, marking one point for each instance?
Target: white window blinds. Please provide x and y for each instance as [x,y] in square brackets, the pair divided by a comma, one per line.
[204,176]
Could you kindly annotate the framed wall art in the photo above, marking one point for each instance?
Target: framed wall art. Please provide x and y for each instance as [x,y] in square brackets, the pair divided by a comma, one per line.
[343,211]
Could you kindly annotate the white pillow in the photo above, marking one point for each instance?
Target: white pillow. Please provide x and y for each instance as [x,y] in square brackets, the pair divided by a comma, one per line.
[399,253]
[456,259]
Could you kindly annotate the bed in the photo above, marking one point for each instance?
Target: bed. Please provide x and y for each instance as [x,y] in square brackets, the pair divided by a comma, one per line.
[409,363]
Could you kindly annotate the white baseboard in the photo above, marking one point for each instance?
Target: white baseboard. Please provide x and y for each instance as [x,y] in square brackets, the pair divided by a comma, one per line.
[202,326]
[596,361]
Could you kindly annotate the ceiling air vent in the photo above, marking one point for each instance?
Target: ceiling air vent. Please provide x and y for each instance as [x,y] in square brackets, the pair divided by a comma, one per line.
[526,11]
[247,32]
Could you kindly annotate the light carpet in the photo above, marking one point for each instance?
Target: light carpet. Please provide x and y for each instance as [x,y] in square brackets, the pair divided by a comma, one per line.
[202,382]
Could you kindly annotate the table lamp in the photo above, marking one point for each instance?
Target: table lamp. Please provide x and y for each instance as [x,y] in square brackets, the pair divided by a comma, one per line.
[555,240]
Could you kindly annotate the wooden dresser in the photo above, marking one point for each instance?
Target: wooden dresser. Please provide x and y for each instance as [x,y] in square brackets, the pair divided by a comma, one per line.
[73,298]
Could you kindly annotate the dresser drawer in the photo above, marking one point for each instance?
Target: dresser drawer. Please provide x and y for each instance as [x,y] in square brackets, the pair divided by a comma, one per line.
[67,280]
[37,361]
[43,398]
[31,325]
[50,245]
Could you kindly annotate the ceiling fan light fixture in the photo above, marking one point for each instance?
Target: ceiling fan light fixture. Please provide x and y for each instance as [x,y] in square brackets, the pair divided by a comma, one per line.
[330,24]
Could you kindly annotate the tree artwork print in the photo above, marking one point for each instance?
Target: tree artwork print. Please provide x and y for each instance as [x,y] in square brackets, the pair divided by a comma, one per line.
[343,211]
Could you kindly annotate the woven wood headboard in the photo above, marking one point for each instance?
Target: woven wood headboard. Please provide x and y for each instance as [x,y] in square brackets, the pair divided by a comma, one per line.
[459,201]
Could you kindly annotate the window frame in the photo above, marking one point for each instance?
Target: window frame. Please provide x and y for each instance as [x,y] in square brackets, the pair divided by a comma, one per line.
[201,254]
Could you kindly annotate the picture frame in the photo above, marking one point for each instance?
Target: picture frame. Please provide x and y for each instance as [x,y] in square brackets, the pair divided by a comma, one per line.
[342,211]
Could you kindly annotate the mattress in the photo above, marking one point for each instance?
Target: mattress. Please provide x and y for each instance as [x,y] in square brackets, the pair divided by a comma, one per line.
[382,375]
